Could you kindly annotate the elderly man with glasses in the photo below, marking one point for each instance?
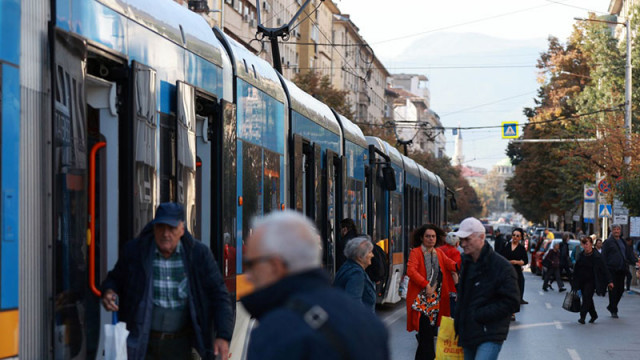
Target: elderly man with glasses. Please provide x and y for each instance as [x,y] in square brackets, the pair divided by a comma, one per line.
[300,315]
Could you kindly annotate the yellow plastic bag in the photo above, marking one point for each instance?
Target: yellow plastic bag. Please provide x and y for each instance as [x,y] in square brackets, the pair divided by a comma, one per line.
[447,346]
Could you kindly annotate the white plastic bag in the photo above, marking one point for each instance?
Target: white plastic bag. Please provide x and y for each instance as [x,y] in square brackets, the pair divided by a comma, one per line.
[115,341]
[404,286]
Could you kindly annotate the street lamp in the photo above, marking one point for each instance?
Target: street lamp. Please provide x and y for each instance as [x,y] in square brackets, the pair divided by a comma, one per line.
[627,88]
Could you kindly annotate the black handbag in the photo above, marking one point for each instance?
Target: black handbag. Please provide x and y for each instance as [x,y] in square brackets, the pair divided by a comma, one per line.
[571,301]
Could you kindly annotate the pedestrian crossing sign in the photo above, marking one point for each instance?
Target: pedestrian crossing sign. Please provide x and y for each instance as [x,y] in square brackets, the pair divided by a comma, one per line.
[604,211]
[510,130]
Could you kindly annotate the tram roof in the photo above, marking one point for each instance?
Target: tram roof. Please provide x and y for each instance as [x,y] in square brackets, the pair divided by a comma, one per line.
[428,176]
[174,22]
[311,108]
[440,183]
[386,148]
[411,167]
[255,70]
[352,131]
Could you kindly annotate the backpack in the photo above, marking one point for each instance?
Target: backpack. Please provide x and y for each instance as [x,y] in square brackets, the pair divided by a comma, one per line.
[378,269]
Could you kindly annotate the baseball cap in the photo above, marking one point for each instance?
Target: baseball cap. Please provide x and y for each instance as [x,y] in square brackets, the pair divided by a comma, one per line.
[169,213]
[469,226]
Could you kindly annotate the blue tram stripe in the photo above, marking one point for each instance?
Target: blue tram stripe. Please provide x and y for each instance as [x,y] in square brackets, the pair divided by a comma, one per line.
[9,37]
[9,202]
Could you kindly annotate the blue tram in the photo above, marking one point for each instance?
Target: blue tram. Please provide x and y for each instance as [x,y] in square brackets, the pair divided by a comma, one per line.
[110,107]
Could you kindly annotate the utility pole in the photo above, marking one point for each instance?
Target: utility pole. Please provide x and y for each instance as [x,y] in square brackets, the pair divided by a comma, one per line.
[627,93]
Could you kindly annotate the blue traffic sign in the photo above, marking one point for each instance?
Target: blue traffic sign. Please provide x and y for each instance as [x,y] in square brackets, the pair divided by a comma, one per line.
[510,130]
[604,210]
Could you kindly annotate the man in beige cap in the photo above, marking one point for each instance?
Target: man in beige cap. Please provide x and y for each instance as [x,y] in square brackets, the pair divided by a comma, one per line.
[488,294]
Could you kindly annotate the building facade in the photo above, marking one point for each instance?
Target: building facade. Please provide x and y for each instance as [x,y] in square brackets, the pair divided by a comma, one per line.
[413,117]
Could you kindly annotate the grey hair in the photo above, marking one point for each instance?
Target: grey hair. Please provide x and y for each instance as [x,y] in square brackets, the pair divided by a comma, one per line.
[353,249]
[291,236]
[452,239]
[613,226]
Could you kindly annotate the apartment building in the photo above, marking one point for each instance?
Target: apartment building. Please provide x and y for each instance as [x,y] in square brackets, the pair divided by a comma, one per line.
[620,11]
[315,42]
[356,69]
[408,106]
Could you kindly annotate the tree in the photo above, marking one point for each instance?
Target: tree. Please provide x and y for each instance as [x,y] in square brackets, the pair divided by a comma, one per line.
[320,87]
[547,177]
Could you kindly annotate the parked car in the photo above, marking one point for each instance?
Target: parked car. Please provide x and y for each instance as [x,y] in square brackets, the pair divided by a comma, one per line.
[488,231]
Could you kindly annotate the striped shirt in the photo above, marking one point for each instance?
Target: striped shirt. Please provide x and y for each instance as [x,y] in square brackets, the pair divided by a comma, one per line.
[169,280]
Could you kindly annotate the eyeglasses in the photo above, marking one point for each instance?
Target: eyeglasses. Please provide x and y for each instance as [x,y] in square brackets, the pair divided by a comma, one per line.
[249,263]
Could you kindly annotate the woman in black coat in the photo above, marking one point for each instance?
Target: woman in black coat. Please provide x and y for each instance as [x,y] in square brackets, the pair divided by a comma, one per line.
[590,275]
[517,256]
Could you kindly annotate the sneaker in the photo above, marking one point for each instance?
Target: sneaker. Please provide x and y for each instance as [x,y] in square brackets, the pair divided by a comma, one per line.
[581,321]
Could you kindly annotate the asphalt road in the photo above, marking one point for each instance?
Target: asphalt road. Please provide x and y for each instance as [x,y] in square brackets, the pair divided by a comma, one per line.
[543,330]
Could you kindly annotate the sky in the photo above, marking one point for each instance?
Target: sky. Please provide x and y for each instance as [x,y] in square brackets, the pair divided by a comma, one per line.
[479,56]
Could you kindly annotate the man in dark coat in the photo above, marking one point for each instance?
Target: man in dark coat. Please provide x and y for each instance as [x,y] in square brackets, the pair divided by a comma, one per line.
[617,255]
[488,294]
[565,256]
[171,293]
[300,315]
[348,231]
[499,242]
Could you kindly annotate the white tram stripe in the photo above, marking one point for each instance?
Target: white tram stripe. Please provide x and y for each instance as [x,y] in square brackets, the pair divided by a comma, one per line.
[389,320]
[574,354]
[558,325]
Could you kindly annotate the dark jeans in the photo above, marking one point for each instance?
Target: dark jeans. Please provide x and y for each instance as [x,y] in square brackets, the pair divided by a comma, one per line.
[567,270]
[618,288]
[426,349]
[555,272]
[169,349]
[628,278]
[521,284]
[587,306]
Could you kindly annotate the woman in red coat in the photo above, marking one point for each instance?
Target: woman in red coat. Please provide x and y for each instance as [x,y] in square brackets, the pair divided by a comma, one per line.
[450,248]
[429,269]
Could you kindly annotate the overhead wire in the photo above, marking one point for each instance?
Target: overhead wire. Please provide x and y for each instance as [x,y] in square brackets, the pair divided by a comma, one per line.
[352,71]
[574,117]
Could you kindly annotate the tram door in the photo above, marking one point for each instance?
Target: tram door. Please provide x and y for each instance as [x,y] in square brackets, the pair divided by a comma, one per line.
[334,200]
[186,155]
[85,199]
[309,190]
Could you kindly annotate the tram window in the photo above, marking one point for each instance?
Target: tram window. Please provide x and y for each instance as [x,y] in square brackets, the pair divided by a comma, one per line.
[229,195]
[167,158]
[396,222]
[252,189]
[271,181]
